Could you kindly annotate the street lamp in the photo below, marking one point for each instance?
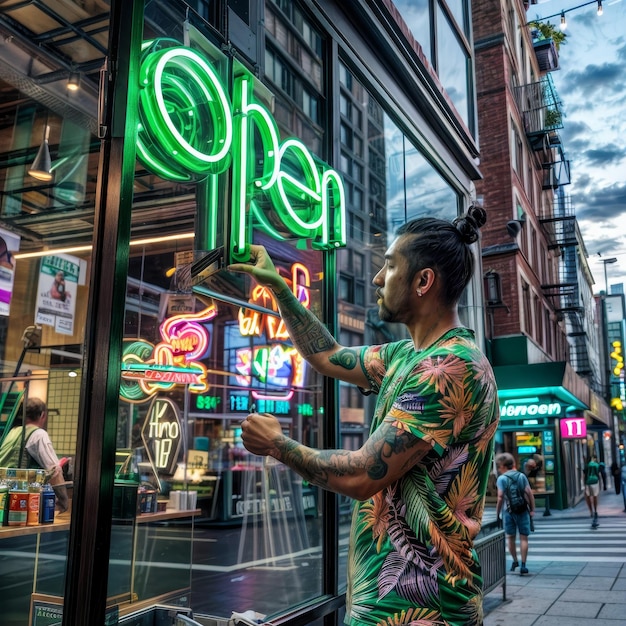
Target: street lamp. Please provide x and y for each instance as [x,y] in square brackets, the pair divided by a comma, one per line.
[606,282]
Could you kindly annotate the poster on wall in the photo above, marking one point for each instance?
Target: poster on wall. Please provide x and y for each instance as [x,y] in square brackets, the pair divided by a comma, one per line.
[9,245]
[59,276]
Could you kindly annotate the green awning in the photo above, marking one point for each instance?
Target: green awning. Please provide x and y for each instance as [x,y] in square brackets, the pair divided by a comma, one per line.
[540,380]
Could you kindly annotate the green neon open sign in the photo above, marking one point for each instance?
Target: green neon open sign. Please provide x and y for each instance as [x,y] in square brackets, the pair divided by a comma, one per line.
[191,129]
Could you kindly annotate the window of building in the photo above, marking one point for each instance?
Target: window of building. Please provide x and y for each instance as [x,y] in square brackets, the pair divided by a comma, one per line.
[418,17]
[453,67]
[527,321]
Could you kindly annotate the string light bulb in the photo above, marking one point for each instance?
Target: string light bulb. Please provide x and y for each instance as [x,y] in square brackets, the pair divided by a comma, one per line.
[563,21]
[600,11]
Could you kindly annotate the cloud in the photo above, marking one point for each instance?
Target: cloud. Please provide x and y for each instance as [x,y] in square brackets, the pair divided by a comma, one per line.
[596,79]
[611,154]
[601,204]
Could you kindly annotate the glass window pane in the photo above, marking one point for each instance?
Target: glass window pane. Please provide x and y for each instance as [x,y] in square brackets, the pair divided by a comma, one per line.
[452,66]
[416,14]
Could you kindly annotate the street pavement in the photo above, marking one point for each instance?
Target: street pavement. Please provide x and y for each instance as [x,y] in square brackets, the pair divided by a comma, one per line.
[577,575]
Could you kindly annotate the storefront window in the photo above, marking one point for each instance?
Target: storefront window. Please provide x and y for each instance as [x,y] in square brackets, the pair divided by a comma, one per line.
[203,347]
[534,455]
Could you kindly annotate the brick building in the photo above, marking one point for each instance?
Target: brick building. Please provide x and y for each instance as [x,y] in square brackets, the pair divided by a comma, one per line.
[541,326]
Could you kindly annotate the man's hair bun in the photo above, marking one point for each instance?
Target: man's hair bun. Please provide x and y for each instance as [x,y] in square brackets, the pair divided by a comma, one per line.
[469,224]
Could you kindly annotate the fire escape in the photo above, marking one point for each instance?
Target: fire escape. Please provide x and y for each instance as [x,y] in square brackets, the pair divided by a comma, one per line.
[541,113]
[563,233]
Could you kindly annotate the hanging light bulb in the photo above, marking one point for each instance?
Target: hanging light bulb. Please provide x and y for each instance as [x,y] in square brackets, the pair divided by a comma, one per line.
[563,21]
[600,11]
[41,169]
[73,81]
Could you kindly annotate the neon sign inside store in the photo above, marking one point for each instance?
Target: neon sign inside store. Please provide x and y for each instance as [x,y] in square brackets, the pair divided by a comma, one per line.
[190,129]
[148,368]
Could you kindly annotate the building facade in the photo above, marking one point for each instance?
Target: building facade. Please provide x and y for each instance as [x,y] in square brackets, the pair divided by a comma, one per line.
[145,145]
[541,328]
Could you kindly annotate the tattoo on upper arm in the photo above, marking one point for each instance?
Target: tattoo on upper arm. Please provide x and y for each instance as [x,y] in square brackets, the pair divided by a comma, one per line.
[346,358]
[305,329]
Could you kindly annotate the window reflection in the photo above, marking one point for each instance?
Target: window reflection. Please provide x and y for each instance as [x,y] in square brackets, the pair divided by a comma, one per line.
[416,14]
[453,66]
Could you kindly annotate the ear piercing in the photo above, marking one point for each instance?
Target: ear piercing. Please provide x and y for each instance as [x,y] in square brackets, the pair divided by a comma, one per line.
[418,292]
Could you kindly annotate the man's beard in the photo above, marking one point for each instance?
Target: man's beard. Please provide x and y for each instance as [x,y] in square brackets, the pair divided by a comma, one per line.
[385,314]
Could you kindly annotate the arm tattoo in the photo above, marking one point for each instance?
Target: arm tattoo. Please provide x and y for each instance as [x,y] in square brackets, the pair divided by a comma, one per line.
[309,335]
[319,466]
[346,358]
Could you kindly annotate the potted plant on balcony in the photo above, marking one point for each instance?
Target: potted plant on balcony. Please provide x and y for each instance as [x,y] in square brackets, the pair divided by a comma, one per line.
[548,30]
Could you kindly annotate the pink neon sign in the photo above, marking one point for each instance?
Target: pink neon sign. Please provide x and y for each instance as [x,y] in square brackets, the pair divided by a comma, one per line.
[573,428]
[148,368]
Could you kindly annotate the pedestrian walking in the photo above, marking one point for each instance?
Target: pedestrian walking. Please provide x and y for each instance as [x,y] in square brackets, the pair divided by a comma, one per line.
[419,480]
[517,503]
[591,475]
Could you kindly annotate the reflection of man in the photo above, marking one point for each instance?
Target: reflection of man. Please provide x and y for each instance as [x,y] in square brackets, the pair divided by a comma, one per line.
[57,291]
[36,450]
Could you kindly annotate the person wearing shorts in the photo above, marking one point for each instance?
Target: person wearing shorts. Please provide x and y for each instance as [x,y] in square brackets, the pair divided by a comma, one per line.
[514,522]
[591,474]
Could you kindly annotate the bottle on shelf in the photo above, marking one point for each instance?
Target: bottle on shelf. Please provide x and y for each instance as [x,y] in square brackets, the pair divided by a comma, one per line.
[48,504]
[36,478]
[18,503]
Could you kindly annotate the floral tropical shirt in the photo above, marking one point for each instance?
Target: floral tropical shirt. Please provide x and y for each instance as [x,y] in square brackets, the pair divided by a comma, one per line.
[411,557]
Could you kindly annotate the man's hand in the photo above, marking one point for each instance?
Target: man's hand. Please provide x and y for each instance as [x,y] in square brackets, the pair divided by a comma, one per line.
[260,433]
[261,268]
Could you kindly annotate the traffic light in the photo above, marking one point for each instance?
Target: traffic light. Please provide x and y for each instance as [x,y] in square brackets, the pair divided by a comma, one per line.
[617,404]
[617,364]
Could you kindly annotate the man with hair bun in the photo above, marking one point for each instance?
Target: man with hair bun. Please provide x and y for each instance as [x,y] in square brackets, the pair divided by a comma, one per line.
[419,480]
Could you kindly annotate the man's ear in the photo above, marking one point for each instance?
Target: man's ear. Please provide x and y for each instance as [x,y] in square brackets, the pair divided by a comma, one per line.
[424,280]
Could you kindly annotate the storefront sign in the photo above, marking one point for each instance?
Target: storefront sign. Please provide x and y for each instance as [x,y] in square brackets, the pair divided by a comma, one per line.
[147,369]
[617,358]
[549,409]
[191,129]
[161,435]
[59,277]
[573,428]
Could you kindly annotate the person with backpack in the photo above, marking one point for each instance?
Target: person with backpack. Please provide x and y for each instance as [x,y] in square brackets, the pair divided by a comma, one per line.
[516,498]
[30,447]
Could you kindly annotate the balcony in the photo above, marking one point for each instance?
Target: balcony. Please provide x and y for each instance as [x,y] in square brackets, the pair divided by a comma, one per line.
[556,168]
[540,108]
[546,52]
[561,227]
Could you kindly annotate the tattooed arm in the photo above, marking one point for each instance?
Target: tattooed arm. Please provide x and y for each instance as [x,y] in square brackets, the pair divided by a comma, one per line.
[386,456]
[310,337]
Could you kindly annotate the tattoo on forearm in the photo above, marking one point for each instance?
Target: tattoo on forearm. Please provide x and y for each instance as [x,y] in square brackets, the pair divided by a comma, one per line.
[346,358]
[307,332]
[320,466]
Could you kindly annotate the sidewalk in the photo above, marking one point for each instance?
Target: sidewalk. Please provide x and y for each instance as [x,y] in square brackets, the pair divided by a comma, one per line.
[563,593]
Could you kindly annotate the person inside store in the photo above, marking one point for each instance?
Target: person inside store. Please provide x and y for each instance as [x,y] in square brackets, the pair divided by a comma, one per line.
[418,482]
[531,470]
[517,517]
[591,476]
[30,447]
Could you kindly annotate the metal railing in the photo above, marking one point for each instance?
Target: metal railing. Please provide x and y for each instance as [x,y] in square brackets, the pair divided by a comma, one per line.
[492,556]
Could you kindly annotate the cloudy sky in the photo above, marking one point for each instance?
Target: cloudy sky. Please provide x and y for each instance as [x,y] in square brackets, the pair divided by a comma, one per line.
[592,86]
